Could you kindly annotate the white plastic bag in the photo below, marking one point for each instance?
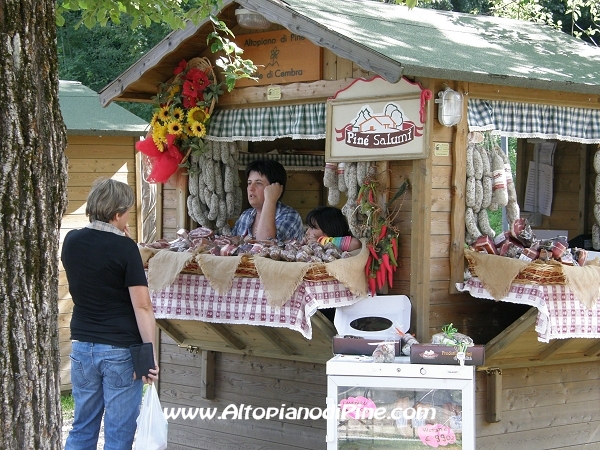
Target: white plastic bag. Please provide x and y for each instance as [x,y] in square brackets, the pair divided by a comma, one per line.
[151,423]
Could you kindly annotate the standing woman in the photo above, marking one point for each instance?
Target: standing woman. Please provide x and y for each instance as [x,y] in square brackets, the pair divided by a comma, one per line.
[112,310]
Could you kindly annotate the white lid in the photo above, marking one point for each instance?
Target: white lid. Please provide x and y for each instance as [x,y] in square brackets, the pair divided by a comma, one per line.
[395,308]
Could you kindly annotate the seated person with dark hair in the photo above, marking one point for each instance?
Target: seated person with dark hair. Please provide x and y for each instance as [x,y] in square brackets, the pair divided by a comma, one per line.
[268,218]
[328,224]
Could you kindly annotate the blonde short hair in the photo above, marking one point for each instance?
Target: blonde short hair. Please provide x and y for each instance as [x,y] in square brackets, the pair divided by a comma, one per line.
[107,198]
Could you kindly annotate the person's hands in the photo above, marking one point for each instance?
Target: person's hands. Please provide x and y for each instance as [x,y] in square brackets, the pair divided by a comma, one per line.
[272,192]
[127,232]
[152,376]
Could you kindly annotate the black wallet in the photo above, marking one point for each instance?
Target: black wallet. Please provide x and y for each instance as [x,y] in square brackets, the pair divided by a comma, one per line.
[143,359]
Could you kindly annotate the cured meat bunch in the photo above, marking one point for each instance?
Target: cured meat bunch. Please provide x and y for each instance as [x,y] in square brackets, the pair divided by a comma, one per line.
[298,251]
[489,186]
[520,243]
[203,240]
[215,193]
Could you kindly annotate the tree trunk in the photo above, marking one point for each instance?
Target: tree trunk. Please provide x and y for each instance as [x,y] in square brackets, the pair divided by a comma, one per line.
[32,201]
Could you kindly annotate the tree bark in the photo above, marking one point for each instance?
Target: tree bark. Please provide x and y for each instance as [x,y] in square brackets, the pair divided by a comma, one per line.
[32,201]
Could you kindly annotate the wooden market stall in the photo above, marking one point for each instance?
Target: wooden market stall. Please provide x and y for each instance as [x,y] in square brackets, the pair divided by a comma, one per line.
[101,143]
[530,394]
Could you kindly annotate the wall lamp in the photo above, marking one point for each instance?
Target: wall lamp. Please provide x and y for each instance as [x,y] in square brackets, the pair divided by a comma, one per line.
[250,19]
[450,107]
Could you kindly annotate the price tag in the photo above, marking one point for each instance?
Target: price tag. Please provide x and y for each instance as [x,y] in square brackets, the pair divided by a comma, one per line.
[436,435]
[357,407]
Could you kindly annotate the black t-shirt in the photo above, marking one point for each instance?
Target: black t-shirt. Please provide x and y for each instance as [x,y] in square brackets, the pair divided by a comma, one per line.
[100,267]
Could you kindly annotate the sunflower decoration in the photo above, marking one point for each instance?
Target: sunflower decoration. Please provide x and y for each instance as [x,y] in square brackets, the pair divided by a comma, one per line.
[182,112]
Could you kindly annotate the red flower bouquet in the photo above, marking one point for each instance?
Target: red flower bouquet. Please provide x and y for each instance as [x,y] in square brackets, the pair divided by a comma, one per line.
[183,108]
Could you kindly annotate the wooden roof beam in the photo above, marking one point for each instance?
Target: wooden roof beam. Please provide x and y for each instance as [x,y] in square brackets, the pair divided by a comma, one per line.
[511,334]
[276,340]
[223,332]
[323,324]
[594,350]
[552,349]
[293,93]
[171,331]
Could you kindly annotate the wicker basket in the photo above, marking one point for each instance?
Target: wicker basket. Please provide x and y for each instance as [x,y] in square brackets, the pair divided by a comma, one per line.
[205,65]
[541,273]
[247,269]
[537,272]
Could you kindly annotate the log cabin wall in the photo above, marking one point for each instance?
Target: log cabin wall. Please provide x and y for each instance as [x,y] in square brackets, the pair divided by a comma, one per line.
[426,280]
[549,407]
[169,212]
[90,157]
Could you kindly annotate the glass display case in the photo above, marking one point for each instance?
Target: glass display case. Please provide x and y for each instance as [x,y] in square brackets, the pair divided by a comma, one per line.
[399,405]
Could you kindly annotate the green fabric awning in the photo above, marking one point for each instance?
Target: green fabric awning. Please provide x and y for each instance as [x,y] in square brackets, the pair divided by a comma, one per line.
[527,120]
[304,121]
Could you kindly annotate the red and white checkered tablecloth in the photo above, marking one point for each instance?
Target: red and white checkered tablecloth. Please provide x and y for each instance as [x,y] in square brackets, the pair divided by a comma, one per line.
[560,314]
[191,297]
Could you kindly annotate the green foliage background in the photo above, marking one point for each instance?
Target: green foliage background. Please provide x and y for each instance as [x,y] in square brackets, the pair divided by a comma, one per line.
[96,56]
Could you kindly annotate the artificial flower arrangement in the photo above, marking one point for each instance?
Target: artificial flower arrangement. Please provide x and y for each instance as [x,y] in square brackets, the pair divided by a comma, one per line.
[184,104]
[181,116]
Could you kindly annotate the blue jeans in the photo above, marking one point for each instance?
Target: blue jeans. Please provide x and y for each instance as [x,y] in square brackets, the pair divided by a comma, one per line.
[102,378]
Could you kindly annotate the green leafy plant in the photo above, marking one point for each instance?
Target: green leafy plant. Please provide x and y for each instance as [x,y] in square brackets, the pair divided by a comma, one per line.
[232,65]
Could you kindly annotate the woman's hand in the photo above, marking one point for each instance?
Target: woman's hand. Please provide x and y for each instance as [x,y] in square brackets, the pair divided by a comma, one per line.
[152,376]
[272,192]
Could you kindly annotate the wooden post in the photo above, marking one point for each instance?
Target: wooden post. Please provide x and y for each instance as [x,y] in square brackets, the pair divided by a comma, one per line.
[494,395]
[584,163]
[181,194]
[420,236]
[139,222]
[207,390]
[459,181]
[157,350]
[383,180]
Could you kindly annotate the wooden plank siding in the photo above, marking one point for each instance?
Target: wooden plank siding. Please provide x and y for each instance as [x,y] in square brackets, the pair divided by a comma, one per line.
[248,380]
[547,407]
[89,158]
